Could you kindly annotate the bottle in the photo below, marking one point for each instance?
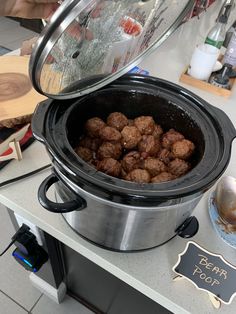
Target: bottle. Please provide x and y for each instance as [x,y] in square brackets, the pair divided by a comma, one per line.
[230,53]
[217,34]
[229,34]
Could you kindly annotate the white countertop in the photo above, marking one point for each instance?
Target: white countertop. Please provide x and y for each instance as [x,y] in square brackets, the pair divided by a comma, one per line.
[149,272]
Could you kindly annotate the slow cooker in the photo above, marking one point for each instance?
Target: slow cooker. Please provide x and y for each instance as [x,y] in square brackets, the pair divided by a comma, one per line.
[80,71]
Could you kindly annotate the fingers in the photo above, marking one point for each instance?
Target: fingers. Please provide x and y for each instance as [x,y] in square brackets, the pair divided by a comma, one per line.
[40,11]
[42,1]
[49,10]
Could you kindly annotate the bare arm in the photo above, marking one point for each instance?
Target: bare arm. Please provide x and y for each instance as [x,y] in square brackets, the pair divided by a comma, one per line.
[28,8]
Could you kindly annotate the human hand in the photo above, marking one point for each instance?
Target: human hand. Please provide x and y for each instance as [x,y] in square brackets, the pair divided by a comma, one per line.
[42,9]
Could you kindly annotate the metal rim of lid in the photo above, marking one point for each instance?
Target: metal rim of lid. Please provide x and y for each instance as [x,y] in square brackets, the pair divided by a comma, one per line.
[59,24]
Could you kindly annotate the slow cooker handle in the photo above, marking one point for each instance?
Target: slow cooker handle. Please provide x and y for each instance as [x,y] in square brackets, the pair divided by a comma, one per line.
[225,122]
[188,228]
[60,208]
[38,119]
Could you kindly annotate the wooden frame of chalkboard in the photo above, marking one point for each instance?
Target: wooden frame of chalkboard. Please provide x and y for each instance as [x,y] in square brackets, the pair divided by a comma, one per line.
[207,271]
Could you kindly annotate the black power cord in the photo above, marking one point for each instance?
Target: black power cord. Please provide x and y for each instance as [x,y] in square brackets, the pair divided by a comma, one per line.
[28,253]
[23,229]
[8,247]
[26,175]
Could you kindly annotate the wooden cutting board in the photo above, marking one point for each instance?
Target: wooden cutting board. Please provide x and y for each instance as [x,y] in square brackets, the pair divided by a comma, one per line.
[17,96]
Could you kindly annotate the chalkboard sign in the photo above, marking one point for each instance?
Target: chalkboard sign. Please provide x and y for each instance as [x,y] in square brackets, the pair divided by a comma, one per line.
[208,271]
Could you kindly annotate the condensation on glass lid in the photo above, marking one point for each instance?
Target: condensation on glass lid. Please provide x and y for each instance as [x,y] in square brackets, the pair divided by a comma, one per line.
[102,40]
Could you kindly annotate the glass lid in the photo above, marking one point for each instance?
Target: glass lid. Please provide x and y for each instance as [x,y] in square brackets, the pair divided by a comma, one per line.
[89,43]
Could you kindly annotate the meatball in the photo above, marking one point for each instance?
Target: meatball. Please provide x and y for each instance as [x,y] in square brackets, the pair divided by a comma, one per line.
[117,120]
[182,149]
[109,150]
[130,137]
[145,125]
[110,134]
[178,167]
[164,155]
[154,166]
[91,143]
[134,149]
[139,176]
[131,161]
[85,153]
[157,131]
[163,177]
[171,137]
[109,166]
[149,145]
[93,126]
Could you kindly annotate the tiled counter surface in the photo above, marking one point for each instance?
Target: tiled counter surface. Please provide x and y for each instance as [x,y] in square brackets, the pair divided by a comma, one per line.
[149,272]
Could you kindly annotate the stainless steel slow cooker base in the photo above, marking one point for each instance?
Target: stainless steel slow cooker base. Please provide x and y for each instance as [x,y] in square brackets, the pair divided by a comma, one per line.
[115,213]
[116,250]
[126,228]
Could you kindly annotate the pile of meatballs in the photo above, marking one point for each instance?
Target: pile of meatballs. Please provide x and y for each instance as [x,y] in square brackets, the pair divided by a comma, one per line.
[136,150]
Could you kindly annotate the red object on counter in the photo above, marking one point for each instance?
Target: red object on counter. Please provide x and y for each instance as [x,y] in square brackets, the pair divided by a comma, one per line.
[24,142]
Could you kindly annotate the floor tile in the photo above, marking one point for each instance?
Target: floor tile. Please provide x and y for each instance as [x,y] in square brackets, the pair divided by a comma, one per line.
[15,44]
[14,279]
[12,34]
[7,306]
[13,38]
[68,306]
[7,24]
[3,51]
